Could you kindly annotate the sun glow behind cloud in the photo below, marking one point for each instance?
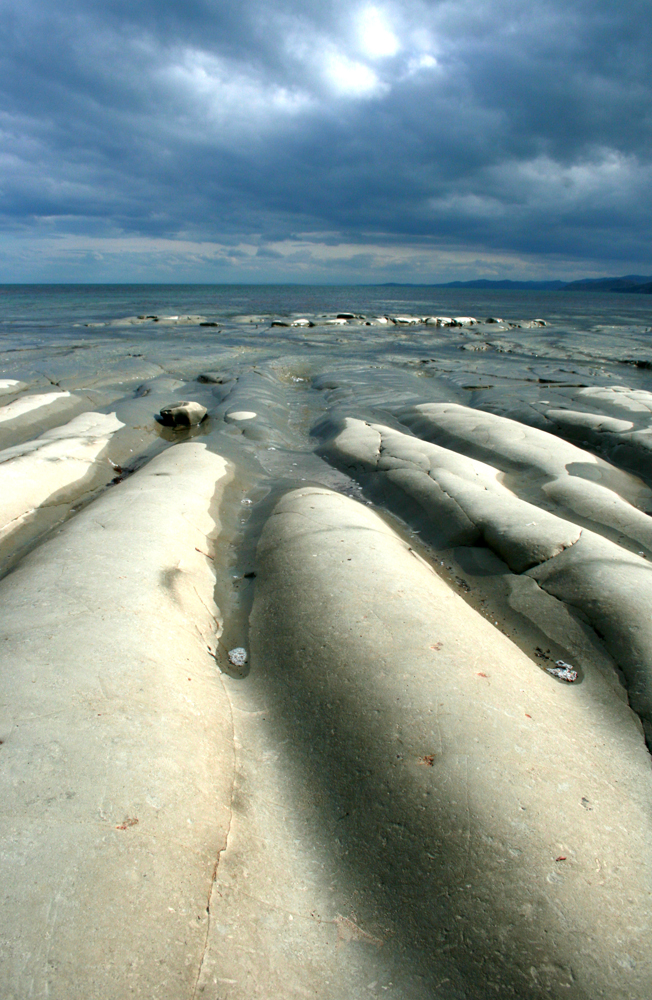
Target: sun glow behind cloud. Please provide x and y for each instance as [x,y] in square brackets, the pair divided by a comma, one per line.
[351,78]
[365,57]
[375,36]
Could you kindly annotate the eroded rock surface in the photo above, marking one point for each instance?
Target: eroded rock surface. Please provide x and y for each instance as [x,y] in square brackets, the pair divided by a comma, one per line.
[457,500]
[360,776]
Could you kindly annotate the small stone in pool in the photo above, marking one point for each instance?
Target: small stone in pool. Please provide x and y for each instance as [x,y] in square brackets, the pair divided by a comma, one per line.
[238,656]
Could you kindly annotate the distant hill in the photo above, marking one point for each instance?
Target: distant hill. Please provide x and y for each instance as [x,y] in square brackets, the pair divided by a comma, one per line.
[636,283]
[516,285]
[629,283]
[483,283]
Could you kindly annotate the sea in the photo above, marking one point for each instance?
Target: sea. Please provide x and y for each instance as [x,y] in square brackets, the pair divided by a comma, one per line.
[59,308]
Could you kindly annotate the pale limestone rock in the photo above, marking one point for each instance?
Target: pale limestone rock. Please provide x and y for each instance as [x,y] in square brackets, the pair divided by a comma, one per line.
[32,474]
[444,778]
[117,774]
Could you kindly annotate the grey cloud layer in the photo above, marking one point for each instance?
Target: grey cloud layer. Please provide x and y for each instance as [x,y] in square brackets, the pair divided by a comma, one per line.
[496,125]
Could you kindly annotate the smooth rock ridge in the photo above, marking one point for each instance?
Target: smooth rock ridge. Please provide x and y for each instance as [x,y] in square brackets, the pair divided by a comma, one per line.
[456,797]
[117,743]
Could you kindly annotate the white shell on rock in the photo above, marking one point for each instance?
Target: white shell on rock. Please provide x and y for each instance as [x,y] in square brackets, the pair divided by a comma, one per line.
[238,656]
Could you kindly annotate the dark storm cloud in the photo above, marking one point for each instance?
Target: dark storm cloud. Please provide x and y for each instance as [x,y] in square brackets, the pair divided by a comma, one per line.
[497,125]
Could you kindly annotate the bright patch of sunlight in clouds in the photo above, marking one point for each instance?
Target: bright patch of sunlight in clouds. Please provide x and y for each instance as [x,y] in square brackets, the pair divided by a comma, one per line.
[375,36]
[351,78]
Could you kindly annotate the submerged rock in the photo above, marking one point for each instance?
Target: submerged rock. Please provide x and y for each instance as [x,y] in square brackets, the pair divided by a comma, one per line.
[214,378]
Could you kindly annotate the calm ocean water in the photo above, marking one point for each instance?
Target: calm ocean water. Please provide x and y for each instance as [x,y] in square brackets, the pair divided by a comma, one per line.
[57,307]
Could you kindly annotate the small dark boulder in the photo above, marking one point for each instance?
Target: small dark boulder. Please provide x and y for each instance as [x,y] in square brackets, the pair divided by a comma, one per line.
[182,414]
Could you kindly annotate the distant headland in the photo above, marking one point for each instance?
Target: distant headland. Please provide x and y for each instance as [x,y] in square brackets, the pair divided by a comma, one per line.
[628,283]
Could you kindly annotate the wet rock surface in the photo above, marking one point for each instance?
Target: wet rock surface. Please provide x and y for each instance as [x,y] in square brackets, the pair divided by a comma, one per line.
[338,680]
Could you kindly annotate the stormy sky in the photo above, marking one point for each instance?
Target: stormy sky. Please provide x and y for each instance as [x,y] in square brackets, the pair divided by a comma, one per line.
[413,140]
